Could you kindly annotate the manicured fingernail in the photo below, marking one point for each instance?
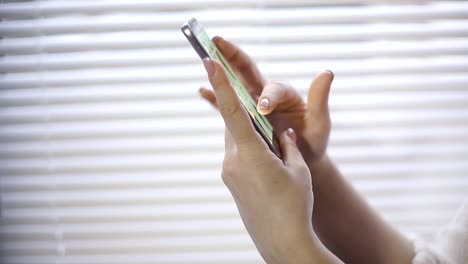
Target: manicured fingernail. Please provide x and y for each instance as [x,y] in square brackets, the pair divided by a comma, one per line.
[264,103]
[333,75]
[291,134]
[209,67]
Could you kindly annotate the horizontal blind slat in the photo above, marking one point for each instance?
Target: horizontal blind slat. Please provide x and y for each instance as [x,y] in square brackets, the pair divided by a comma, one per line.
[152,195]
[61,7]
[118,59]
[344,85]
[229,257]
[210,210]
[358,104]
[285,34]
[235,15]
[196,74]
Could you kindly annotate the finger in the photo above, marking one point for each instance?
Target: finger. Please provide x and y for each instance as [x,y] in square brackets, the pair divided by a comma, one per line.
[242,64]
[319,90]
[291,154]
[208,95]
[274,94]
[235,117]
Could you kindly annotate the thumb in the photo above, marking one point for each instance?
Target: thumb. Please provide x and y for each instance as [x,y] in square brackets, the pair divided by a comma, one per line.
[291,154]
[317,98]
[235,117]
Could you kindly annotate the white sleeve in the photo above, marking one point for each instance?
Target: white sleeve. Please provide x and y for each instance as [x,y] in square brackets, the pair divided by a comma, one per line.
[450,245]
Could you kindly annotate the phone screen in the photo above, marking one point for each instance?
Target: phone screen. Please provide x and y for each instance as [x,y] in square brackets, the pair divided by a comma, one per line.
[209,49]
[242,92]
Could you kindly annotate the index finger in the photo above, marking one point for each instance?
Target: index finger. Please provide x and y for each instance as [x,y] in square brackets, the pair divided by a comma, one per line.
[235,117]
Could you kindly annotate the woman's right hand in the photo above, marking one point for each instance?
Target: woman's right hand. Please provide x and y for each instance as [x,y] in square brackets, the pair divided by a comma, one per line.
[282,104]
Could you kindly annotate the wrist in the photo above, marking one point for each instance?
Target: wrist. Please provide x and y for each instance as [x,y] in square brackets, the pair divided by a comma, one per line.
[310,251]
[294,246]
[305,248]
[321,254]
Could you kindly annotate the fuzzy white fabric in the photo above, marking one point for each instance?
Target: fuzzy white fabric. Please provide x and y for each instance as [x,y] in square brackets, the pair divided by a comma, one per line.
[450,246]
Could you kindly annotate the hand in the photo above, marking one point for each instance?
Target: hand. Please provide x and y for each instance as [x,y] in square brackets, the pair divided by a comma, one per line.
[282,103]
[341,215]
[274,197]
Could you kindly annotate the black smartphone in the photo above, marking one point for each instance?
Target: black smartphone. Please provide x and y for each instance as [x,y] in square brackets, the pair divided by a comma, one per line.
[206,48]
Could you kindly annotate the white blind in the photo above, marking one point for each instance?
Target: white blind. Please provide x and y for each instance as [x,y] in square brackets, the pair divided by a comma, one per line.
[107,155]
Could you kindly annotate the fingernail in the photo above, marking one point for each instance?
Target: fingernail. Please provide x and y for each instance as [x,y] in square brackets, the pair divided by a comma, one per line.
[333,75]
[264,103]
[209,67]
[217,38]
[291,134]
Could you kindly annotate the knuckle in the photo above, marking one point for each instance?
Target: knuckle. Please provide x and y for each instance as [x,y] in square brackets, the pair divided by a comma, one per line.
[244,62]
[274,82]
[272,87]
[226,178]
[277,88]
[245,144]
[278,84]
[228,171]
[228,109]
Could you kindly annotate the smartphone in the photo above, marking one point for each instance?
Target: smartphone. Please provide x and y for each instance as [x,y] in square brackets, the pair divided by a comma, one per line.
[206,48]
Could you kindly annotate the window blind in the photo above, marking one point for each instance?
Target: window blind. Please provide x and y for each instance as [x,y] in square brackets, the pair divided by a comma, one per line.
[107,155]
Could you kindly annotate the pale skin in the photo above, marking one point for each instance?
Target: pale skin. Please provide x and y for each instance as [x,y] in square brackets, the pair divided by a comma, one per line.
[288,220]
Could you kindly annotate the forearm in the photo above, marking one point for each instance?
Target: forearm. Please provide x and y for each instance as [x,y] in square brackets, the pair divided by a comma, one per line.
[347,225]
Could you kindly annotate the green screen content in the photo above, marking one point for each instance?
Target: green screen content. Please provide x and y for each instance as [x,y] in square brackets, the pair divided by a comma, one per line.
[242,92]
